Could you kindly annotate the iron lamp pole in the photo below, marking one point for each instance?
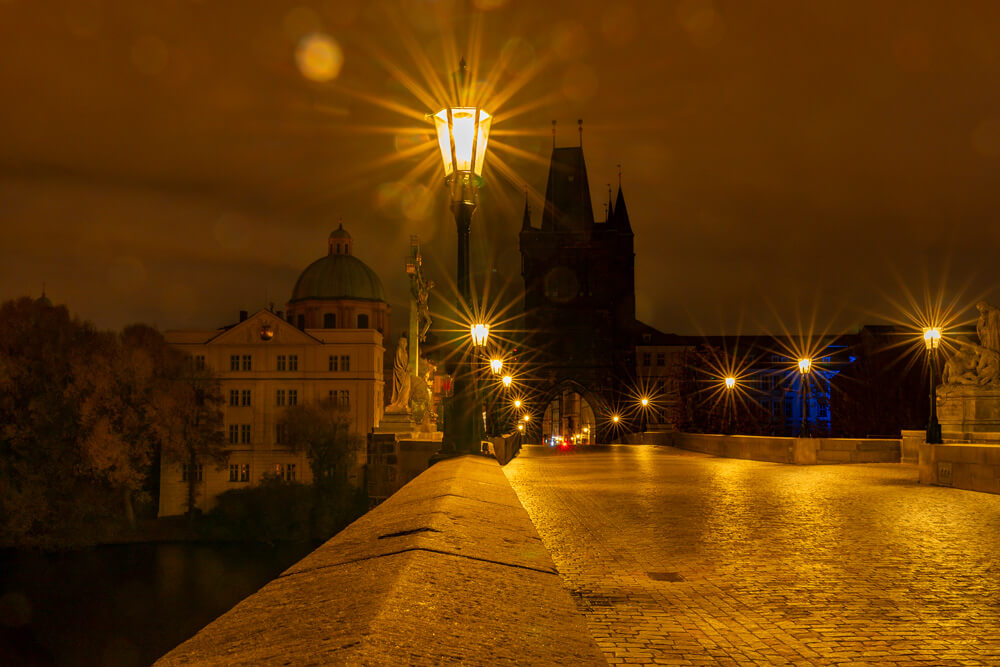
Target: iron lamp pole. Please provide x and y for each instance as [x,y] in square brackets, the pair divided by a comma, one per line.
[932,341]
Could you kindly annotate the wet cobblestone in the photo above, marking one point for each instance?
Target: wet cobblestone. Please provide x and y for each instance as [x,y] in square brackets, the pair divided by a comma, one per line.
[677,558]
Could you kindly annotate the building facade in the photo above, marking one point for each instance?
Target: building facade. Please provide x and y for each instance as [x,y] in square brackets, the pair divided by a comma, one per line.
[266,363]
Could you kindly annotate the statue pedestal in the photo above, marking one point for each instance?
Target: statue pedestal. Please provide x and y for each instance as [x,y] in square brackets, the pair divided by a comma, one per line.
[969,412]
[400,423]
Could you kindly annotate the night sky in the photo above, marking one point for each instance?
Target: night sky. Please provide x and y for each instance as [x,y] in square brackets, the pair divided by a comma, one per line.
[169,162]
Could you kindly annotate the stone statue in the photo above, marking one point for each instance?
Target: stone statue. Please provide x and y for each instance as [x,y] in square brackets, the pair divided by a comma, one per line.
[422,293]
[977,364]
[988,326]
[400,379]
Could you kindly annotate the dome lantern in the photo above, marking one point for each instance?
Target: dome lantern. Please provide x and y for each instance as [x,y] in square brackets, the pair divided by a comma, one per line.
[340,242]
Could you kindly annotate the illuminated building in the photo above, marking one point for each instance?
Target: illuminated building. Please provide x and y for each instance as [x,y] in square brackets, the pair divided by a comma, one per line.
[328,347]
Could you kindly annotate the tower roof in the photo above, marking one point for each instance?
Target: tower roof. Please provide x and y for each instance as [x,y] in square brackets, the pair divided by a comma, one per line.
[620,218]
[567,194]
[338,275]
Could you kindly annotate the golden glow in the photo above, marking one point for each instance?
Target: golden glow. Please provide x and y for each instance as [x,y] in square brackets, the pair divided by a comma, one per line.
[527,418]
[507,380]
[932,338]
[645,401]
[730,382]
[615,418]
[586,429]
[496,365]
[460,131]
[517,402]
[319,57]
[805,365]
[480,333]
[520,427]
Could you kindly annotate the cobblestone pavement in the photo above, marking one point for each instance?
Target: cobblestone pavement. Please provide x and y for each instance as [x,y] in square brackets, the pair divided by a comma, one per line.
[683,559]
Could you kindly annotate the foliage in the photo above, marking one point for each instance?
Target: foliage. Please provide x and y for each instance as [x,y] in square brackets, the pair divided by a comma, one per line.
[84,415]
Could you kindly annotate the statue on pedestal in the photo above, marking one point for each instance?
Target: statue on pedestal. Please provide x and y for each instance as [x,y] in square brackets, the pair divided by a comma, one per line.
[400,379]
[977,365]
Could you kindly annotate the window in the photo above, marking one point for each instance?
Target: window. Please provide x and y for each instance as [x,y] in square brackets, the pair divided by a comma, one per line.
[280,396]
[333,363]
[290,472]
[234,434]
[281,434]
[293,362]
[234,362]
[234,472]
[234,397]
[345,363]
[282,364]
[279,471]
[647,359]
[293,396]
[247,362]
[245,398]
[344,398]
[199,362]
[362,321]
[245,434]
[186,473]
[661,359]
[329,321]
[300,321]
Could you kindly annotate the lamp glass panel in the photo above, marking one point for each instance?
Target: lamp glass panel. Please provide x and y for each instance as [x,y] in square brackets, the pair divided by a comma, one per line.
[444,140]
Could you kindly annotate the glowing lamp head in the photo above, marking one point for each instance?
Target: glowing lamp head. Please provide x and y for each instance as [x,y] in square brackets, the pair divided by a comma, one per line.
[730,382]
[462,134]
[586,429]
[496,365]
[615,418]
[507,380]
[645,401]
[520,427]
[805,365]
[517,402]
[527,418]
[932,338]
[480,333]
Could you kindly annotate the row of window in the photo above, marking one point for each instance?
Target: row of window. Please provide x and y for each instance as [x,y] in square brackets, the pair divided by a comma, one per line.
[282,397]
[285,362]
[330,321]
[238,472]
[647,359]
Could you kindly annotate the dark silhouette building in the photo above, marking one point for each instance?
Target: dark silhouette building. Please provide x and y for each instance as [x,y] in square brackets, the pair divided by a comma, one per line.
[579,301]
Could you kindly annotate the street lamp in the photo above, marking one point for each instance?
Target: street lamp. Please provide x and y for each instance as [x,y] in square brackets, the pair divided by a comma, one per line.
[462,134]
[507,380]
[496,365]
[932,341]
[644,401]
[730,383]
[517,403]
[805,365]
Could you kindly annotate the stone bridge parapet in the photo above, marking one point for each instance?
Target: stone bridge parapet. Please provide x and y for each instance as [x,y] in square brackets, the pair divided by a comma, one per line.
[449,569]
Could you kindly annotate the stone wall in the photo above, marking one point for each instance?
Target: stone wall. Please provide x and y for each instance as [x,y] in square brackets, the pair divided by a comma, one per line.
[975,467]
[448,570]
[804,451]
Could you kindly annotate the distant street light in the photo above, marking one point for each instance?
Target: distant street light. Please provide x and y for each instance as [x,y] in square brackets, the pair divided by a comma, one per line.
[507,380]
[932,341]
[517,402]
[805,366]
[480,333]
[644,401]
[496,365]
[730,383]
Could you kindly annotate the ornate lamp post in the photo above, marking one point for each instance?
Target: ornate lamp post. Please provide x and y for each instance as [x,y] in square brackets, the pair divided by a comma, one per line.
[805,366]
[644,402]
[462,134]
[932,341]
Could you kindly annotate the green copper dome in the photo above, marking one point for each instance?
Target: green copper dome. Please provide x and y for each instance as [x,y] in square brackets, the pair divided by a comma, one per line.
[339,275]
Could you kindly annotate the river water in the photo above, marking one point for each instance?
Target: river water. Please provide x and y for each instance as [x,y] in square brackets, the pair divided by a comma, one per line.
[124,604]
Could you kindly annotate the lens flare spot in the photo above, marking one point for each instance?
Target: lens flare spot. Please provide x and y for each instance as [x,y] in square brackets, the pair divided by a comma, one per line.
[319,57]
[701,21]
[388,196]
[619,24]
[569,41]
[149,54]
[579,83]
[416,202]
[517,55]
